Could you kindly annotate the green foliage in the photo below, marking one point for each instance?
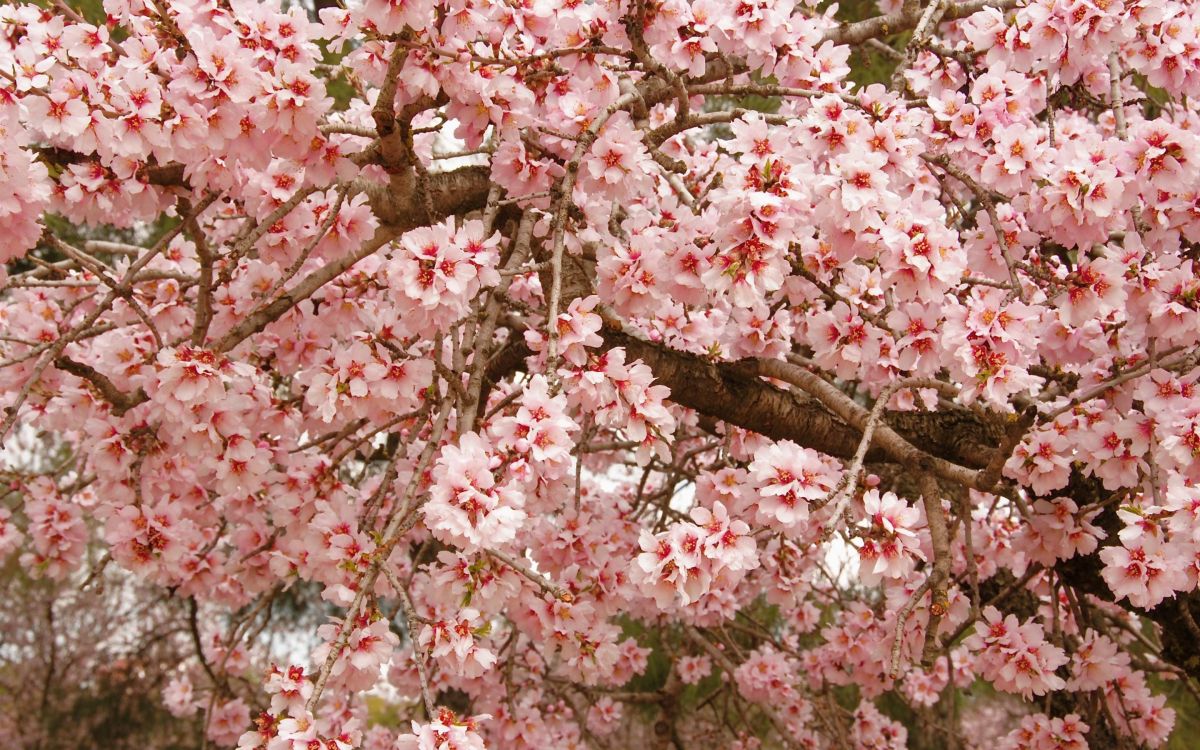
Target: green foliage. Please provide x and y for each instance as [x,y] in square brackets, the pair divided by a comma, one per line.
[338,87]
[658,664]
[867,65]
[380,712]
[92,10]
[1187,713]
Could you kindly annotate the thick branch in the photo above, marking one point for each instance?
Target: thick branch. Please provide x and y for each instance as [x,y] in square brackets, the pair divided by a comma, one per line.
[907,18]
[121,401]
[454,192]
[939,538]
[896,447]
[731,393]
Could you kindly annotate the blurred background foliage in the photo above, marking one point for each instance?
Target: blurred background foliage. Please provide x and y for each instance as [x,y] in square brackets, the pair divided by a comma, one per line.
[86,668]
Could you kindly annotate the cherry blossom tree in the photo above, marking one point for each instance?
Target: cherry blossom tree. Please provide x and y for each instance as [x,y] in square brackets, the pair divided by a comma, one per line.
[596,365]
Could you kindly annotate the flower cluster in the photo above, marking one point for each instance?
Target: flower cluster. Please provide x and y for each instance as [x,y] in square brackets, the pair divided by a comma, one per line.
[467,506]
[1015,656]
[1040,731]
[361,651]
[455,642]
[889,545]
[686,562]
[444,732]
[789,479]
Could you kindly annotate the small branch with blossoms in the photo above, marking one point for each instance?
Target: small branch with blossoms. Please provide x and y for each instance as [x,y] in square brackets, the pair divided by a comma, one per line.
[546,586]
[840,404]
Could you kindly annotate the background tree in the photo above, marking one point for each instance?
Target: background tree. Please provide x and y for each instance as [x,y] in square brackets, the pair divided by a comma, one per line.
[87,669]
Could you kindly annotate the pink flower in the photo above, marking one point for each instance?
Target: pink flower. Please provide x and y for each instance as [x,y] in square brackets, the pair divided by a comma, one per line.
[56,531]
[766,676]
[604,716]
[1057,531]
[1096,663]
[189,376]
[454,641]
[689,561]
[58,114]
[727,542]
[229,719]
[466,506]
[10,535]
[788,479]
[872,729]
[290,689]
[888,538]
[614,154]
[518,171]
[368,647]
[863,179]
[669,566]
[755,140]
[180,698]
[692,669]
[1142,571]
[1016,656]
[1139,713]
[446,732]
[1040,731]
[541,428]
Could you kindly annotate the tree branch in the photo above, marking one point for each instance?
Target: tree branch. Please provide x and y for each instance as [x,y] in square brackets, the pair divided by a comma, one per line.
[121,401]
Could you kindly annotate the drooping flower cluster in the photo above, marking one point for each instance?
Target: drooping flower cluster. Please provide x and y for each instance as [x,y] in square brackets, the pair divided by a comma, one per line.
[890,547]
[444,732]
[789,479]
[364,649]
[454,642]
[1015,656]
[688,560]
[467,506]
[1040,731]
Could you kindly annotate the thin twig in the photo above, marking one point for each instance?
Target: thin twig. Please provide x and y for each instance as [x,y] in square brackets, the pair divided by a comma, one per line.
[547,586]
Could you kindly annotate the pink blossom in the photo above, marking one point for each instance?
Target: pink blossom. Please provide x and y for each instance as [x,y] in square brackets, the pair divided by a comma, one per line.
[367,648]
[179,697]
[1142,572]
[692,669]
[454,641]
[445,732]
[604,716]
[228,721]
[467,506]
[1097,663]
[890,547]
[1040,731]
[276,330]
[1016,656]
[56,532]
[60,115]
[789,478]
